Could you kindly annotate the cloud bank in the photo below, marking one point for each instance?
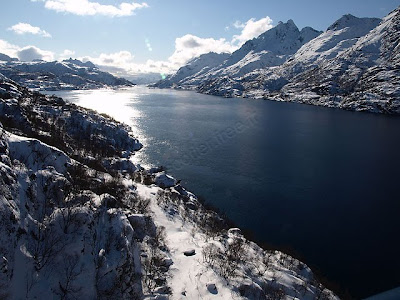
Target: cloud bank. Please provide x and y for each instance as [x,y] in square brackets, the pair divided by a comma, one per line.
[31,53]
[189,46]
[89,8]
[28,53]
[23,28]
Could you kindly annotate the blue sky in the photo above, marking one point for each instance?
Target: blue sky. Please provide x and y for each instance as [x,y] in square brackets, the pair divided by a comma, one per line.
[156,35]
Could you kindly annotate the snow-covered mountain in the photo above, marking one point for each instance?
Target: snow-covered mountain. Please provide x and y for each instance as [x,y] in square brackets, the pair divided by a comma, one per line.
[79,220]
[68,74]
[366,76]
[340,36]
[353,65]
[271,48]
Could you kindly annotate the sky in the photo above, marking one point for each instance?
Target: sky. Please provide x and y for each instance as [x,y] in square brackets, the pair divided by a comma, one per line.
[127,37]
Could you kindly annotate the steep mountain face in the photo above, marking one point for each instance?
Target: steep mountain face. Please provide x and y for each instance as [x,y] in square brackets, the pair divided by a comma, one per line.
[364,77]
[68,74]
[270,49]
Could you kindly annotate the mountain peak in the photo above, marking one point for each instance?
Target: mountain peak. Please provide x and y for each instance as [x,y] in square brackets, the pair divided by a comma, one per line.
[79,63]
[308,33]
[291,22]
[349,21]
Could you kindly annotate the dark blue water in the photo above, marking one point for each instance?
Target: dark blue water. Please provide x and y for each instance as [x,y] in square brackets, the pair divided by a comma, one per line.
[322,182]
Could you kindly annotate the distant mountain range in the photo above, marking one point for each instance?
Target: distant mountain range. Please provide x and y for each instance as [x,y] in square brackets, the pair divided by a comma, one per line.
[353,65]
[68,74]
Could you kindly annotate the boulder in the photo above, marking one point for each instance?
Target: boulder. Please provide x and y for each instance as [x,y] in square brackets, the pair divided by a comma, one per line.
[164,181]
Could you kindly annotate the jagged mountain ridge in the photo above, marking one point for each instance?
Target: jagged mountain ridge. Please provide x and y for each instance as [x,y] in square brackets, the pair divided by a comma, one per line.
[67,74]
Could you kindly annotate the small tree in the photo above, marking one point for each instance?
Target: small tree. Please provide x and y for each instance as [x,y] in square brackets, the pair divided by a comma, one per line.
[70,270]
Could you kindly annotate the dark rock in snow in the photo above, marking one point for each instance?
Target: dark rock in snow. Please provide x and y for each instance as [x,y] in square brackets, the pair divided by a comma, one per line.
[190,252]
[212,288]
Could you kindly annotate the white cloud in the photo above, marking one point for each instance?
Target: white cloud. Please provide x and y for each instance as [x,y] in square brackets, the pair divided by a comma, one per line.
[22,28]
[8,49]
[66,54]
[238,25]
[27,53]
[251,29]
[122,64]
[190,46]
[115,59]
[30,53]
[89,8]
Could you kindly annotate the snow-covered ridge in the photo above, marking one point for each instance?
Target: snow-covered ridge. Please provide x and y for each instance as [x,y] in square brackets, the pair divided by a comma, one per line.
[68,74]
[80,220]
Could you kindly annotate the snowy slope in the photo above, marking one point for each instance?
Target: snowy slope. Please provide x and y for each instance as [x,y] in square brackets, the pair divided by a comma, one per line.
[364,77]
[340,36]
[209,263]
[80,221]
[68,74]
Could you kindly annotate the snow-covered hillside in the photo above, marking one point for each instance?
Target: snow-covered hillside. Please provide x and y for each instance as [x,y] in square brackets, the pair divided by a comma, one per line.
[68,74]
[79,220]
